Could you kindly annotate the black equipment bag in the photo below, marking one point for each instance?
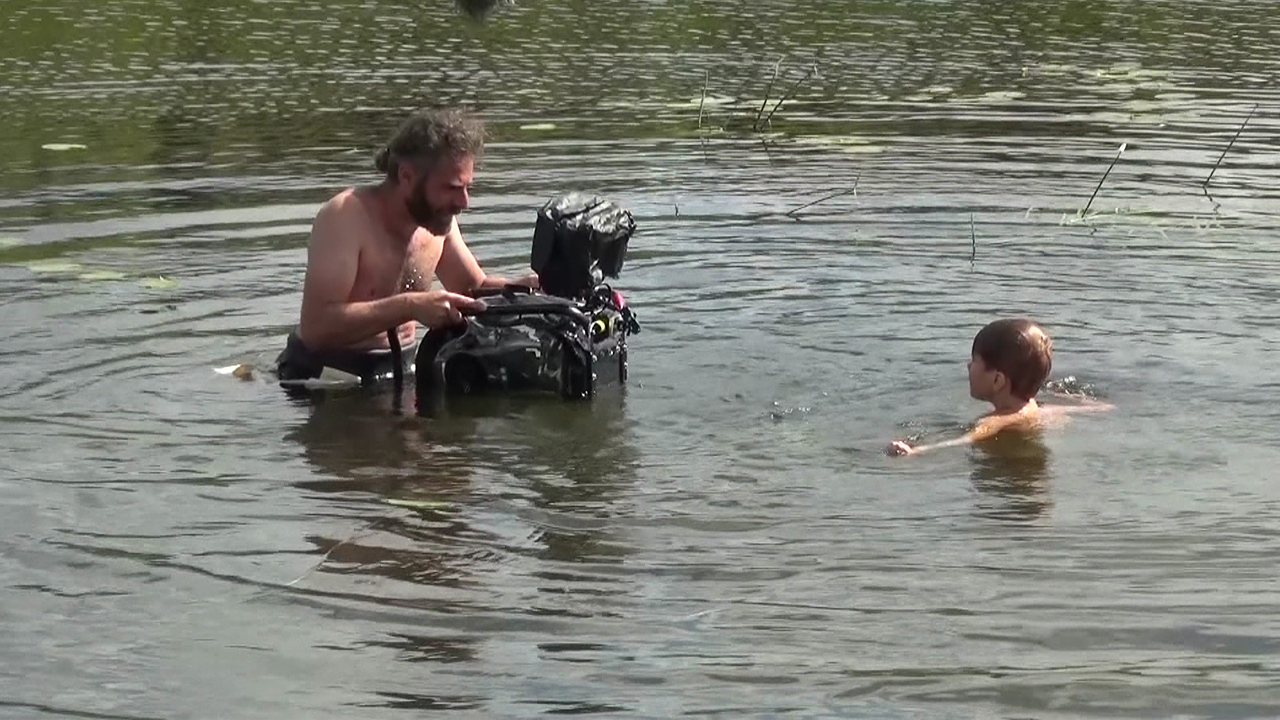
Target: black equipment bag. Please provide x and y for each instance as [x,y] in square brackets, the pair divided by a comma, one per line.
[569,337]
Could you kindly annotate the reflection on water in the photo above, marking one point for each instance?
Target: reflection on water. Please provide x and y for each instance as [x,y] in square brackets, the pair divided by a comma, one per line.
[1012,476]
[566,457]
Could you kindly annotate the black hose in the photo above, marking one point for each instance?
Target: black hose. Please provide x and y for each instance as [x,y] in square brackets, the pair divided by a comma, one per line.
[397,360]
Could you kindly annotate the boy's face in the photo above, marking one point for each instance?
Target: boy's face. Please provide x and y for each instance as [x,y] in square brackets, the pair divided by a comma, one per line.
[983,381]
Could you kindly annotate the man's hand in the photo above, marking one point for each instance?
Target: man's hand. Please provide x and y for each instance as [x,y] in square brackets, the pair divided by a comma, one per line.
[441,308]
[529,281]
[501,282]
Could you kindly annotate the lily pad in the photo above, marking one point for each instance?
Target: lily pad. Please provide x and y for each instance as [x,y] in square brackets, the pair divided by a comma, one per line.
[929,93]
[1047,69]
[1130,71]
[852,144]
[698,101]
[100,276]
[419,504]
[53,266]
[63,147]
[831,140]
[1001,96]
[159,282]
[539,126]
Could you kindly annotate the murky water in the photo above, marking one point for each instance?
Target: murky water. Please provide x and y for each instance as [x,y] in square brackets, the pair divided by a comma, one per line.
[728,539]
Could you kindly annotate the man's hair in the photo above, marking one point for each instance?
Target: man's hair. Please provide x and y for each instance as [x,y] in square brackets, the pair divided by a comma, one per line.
[429,136]
[1020,349]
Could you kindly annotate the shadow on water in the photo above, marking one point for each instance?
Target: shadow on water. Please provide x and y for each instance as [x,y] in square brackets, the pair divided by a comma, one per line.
[1011,474]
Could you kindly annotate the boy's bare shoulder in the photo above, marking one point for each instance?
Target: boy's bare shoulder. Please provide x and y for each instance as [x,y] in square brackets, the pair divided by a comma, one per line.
[990,425]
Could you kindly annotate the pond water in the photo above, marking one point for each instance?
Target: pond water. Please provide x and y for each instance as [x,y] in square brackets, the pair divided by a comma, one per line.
[729,538]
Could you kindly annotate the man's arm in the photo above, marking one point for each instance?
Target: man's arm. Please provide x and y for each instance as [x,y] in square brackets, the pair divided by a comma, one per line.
[329,319]
[460,272]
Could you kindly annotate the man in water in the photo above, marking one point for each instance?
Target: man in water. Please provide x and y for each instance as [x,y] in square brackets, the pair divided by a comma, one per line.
[374,250]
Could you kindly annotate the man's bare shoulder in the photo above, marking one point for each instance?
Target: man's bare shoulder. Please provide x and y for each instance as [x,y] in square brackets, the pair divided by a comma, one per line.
[346,212]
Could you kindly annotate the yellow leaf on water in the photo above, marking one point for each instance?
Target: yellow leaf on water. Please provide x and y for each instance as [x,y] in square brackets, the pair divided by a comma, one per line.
[159,282]
[63,147]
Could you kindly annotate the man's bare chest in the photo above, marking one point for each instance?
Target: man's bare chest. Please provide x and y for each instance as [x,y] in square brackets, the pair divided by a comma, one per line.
[386,270]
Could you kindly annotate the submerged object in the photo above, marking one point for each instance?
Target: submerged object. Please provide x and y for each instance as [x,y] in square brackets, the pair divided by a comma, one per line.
[479,9]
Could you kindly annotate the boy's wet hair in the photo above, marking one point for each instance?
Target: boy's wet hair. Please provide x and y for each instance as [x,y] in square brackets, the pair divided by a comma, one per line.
[430,136]
[1020,349]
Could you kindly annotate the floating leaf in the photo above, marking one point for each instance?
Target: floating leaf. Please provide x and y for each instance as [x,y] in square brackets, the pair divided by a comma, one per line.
[1001,96]
[100,276]
[418,504]
[159,282]
[928,93]
[63,147]
[831,140]
[698,101]
[1052,69]
[53,266]
[841,143]
[539,126]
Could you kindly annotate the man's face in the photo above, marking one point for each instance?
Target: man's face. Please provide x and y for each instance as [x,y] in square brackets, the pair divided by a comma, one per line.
[437,194]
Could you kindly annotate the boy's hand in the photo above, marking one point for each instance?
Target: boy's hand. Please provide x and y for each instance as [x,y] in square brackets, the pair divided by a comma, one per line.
[898,447]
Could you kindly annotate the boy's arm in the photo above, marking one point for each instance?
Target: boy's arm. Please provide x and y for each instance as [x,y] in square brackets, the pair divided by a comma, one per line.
[1084,403]
[1090,405]
[986,428]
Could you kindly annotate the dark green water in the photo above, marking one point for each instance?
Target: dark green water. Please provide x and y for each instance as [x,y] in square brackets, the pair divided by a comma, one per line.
[730,539]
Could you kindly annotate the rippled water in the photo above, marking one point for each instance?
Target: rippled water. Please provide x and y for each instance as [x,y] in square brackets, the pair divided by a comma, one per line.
[728,539]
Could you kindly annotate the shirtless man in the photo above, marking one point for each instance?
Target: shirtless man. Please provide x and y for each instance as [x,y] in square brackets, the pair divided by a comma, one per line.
[374,250]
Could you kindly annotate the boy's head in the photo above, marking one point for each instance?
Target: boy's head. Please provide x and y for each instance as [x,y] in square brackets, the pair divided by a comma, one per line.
[1013,355]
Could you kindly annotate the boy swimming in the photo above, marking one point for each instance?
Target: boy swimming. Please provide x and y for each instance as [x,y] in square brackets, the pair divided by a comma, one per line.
[1011,359]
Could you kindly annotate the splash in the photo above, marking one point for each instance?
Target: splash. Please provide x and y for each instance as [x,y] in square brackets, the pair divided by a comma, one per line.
[1070,385]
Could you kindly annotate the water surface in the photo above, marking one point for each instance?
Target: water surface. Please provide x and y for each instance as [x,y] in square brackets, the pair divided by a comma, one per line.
[729,538]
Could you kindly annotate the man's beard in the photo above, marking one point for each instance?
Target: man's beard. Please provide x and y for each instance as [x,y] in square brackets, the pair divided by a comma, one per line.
[435,219]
